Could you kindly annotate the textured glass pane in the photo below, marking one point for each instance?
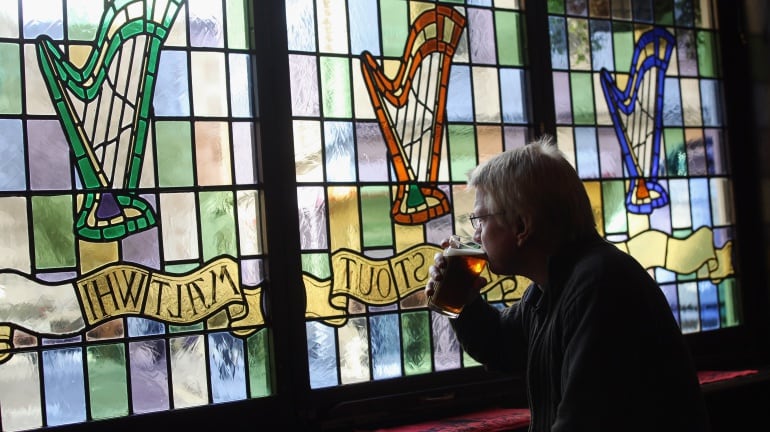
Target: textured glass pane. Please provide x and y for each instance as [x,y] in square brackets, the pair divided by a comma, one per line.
[372,153]
[459,93]
[322,355]
[209,84]
[416,342]
[375,208]
[482,38]
[729,297]
[188,365]
[335,87]
[213,153]
[386,352]
[12,162]
[107,381]
[42,17]
[513,91]
[614,212]
[300,25]
[180,237]
[49,167]
[339,151]
[175,156]
[562,98]
[304,85]
[228,368]
[486,95]
[463,150]
[149,376]
[687,53]
[10,84]
[20,392]
[9,20]
[721,192]
[582,98]
[558,37]
[237,31]
[446,346]
[64,386]
[701,203]
[587,160]
[672,104]
[54,242]
[601,45]
[579,49]
[240,85]
[172,97]
[711,103]
[364,26]
[248,222]
[709,305]
[680,203]
[259,364]
[206,23]
[354,351]
[332,31]
[689,307]
[217,218]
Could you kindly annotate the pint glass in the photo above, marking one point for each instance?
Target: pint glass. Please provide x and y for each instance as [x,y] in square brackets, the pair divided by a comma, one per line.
[465,260]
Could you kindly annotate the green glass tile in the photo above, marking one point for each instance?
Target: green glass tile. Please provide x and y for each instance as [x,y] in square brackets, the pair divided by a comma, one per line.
[260,372]
[469,361]
[623,45]
[393,14]
[664,12]
[335,87]
[217,216]
[375,213]
[53,231]
[462,150]
[729,303]
[508,33]
[416,344]
[107,381]
[556,6]
[582,98]
[317,264]
[237,31]
[613,206]
[175,160]
[10,79]
[676,153]
[707,66]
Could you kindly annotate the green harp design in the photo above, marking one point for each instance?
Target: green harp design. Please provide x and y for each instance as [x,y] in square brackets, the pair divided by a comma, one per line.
[104,109]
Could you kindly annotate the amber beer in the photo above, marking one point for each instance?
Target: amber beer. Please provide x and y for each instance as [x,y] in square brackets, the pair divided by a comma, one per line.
[463,266]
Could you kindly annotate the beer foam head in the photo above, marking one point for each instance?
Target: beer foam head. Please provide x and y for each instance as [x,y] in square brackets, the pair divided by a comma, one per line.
[464,251]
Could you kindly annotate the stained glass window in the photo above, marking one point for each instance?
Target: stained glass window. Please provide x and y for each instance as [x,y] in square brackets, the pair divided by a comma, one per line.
[639,110]
[393,104]
[132,253]
[134,261]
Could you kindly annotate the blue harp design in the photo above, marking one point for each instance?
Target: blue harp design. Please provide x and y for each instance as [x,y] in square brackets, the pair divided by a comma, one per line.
[636,112]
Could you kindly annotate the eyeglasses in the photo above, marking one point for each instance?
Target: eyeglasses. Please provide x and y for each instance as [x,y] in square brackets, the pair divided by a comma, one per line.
[476,220]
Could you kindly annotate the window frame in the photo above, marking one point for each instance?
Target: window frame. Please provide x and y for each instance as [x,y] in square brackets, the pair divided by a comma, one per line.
[295,404]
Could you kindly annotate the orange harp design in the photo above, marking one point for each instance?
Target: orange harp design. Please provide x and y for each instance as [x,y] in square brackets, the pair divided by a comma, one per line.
[410,108]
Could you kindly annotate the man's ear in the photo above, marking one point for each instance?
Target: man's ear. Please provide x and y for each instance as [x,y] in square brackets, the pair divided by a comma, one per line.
[522,229]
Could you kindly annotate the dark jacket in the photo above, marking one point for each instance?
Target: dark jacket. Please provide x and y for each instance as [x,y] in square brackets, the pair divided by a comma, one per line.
[599,344]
